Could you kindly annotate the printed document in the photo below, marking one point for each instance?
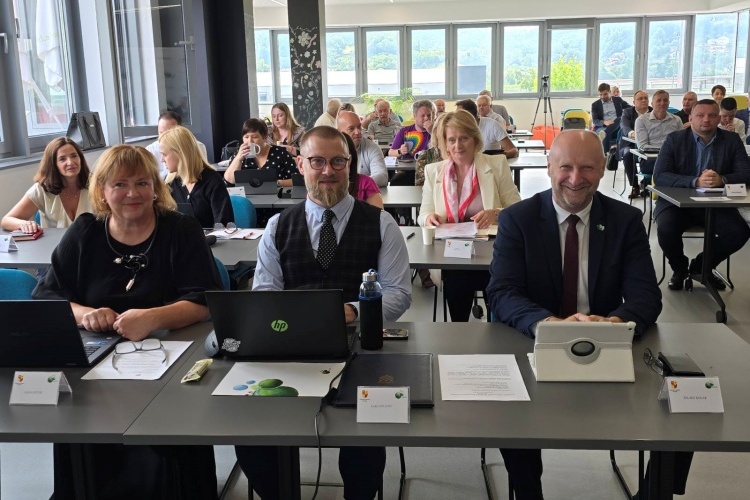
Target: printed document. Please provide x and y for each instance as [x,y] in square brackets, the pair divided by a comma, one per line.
[481,377]
[138,365]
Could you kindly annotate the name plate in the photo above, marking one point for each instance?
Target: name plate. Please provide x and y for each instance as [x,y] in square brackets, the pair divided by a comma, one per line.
[383,405]
[237,191]
[7,243]
[462,249]
[38,388]
[694,394]
[735,190]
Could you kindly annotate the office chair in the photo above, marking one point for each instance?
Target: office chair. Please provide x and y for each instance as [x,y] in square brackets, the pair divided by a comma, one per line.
[16,284]
[576,119]
[223,273]
[244,212]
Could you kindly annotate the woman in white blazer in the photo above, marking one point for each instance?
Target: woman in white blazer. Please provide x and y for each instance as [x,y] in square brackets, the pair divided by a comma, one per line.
[467,186]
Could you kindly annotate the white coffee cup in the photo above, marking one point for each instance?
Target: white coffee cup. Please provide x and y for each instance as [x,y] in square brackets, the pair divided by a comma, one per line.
[254,150]
[428,235]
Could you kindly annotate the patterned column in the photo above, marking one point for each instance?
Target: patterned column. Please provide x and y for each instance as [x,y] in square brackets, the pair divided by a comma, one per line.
[306,44]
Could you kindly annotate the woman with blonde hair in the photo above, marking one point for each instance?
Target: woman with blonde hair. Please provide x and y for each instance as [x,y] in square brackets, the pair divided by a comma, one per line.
[192,181]
[133,267]
[285,130]
[466,186]
[59,192]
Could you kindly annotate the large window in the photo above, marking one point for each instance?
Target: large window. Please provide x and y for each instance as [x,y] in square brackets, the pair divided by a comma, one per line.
[383,62]
[341,57]
[714,47]
[740,63]
[428,73]
[153,53]
[568,56]
[263,66]
[284,65]
[520,59]
[617,43]
[666,54]
[474,58]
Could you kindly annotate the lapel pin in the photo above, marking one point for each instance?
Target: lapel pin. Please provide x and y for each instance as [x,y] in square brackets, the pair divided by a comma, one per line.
[599,227]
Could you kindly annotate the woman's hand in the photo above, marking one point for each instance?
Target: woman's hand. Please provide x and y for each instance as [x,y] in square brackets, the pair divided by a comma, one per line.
[29,226]
[99,320]
[432,220]
[485,218]
[135,324]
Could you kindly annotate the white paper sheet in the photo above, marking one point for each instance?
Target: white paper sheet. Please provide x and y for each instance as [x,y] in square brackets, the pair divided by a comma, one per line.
[456,230]
[139,365]
[240,234]
[278,379]
[481,377]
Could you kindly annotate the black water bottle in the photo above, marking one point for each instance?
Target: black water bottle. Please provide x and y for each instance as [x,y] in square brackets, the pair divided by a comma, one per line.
[371,311]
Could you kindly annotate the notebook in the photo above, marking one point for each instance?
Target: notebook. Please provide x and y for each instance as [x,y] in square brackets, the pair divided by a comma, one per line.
[257,181]
[43,333]
[388,370]
[280,325]
[567,351]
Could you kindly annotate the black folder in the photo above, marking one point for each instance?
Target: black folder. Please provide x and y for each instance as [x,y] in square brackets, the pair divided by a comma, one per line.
[389,370]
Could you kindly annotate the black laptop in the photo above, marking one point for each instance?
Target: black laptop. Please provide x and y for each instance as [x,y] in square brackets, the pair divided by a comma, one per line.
[257,181]
[299,190]
[280,325]
[43,333]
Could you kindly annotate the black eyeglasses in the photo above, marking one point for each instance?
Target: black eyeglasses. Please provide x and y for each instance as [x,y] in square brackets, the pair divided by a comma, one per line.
[653,362]
[145,345]
[319,163]
[229,229]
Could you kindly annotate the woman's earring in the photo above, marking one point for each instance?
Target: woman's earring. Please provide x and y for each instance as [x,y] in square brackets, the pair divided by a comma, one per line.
[155,197]
[104,200]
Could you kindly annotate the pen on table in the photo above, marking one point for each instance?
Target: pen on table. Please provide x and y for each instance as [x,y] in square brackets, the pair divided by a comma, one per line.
[410,236]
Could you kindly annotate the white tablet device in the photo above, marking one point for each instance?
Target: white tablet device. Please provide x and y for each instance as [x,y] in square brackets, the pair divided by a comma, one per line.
[583,352]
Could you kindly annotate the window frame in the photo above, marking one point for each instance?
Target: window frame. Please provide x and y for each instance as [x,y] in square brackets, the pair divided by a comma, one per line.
[687,69]
[449,56]
[495,55]
[402,66]
[637,53]
[499,83]
[588,75]
[357,68]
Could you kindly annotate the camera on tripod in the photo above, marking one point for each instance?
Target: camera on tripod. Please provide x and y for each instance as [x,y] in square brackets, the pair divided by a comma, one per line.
[545,80]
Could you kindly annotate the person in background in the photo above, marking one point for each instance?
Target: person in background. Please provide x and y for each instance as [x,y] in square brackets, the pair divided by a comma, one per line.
[627,126]
[371,161]
[167,120]
[59,193]
[285,130]
[254,131]
[439,106]
[497,108]
[652,129]
[744,115]
[494,136]
[412,139]
[467,186]
[728,120]
[688,101]
[616,91]
[718,92]
[606,113]
[294,252]
[384,129]
[347,106]
[361,186]
[484,106]
[702,156]
[195,182]
[132,267]
[329,116]
[367,119]
[528,282]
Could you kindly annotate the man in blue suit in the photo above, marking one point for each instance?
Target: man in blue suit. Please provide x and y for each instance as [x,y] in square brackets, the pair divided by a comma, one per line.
[606,113]
[614,279]
[700,156]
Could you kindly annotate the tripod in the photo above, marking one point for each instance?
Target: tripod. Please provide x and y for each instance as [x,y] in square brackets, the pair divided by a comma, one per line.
[544,96]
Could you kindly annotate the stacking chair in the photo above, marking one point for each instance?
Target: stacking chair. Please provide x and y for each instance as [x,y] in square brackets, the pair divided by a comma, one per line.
[223,273]
[16,284]
[576,118]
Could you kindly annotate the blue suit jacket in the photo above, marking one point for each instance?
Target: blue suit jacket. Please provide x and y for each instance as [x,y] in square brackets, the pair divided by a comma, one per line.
[597,110]
[677,162]
[526,271]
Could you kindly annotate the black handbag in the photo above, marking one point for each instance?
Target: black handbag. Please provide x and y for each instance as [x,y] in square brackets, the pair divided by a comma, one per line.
[229,150]
[612,159]
[85,128]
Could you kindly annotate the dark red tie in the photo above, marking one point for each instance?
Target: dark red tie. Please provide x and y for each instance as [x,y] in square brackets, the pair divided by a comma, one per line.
[569,302]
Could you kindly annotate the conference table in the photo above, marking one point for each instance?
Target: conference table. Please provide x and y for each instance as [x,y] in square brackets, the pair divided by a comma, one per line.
[393,197]
[520,134]
[523,161]
[526,144]
[423,256]
[38,253]
[590,416]
[691,198]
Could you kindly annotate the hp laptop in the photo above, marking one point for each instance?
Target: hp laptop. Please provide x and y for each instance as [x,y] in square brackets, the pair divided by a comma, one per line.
[43,333]
[583,352]
[257,181]
[280,325]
